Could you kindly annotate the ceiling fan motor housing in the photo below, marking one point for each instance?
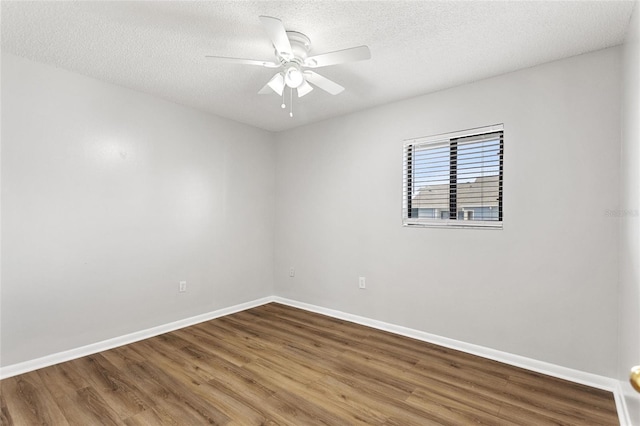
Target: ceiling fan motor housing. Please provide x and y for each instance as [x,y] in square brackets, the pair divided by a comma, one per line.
[300,45]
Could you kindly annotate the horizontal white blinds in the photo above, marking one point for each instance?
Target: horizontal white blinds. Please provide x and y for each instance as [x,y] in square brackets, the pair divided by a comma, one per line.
[455,178]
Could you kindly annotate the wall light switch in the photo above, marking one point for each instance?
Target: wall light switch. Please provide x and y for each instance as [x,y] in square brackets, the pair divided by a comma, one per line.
[292,272]
[183,287]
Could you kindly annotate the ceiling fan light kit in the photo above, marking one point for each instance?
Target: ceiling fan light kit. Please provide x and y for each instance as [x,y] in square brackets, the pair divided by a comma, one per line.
[293,76]
[291,49]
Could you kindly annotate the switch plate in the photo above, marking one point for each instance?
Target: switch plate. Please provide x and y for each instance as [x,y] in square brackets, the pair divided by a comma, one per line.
[183,286]
[292,272]
[362,283]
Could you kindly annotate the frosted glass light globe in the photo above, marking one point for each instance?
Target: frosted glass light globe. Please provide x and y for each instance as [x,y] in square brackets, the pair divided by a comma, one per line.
[293,77]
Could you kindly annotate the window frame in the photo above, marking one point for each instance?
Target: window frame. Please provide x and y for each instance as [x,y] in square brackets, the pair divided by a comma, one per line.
[441,140]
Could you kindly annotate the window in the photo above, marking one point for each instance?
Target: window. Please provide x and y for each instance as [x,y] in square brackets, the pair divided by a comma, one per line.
[454,180]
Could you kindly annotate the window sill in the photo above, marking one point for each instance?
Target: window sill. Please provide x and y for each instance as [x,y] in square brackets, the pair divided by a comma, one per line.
[446,224]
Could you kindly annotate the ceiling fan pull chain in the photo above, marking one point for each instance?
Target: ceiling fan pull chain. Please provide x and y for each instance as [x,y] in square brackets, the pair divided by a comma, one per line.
[291,102]
[283,106]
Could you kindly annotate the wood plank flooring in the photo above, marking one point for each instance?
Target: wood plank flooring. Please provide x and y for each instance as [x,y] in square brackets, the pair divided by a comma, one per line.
[277,365]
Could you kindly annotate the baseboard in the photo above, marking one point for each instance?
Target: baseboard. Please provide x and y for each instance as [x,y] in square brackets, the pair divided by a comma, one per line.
[621,404]
[46,361]
[577,376]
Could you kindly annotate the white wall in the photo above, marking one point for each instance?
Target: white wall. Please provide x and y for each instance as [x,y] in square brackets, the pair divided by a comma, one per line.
[111,197]
[545,287]
[629,292]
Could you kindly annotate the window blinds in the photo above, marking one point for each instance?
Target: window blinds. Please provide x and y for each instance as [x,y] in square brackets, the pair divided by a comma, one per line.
[454,179]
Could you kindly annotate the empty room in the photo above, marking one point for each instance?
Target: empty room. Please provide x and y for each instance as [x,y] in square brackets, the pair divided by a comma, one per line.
[320,212]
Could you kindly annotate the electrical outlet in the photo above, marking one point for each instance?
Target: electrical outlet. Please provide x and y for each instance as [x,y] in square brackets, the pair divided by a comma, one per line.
[362,283]
[183,286]
[292,272]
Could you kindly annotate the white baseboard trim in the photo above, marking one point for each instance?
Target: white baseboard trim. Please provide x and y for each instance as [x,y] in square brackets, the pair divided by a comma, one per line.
[577,376]
[621,405]
[589,379]
[46,361]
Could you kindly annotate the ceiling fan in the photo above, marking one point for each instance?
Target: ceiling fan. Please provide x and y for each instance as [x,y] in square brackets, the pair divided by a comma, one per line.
[291,57]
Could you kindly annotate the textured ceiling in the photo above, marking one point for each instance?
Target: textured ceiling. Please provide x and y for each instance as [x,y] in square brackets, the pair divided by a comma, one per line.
[417,47]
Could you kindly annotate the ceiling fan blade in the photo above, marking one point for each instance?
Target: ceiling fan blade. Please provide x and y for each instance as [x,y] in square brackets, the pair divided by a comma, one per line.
[266,64]
[304,88]
[359,53]
[278,35]
[276,84]
[323,83]
[266,89]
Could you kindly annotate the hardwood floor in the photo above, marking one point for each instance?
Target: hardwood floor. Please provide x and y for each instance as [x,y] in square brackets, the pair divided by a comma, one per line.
[277,365]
